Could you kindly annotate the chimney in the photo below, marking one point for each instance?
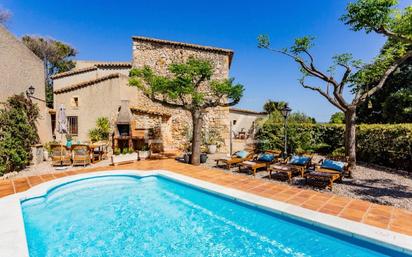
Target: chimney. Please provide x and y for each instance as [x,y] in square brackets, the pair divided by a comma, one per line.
[124,116]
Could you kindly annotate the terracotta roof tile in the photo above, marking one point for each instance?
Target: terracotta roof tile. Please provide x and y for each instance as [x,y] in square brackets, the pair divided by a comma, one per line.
[93,67]
[73,72]
[86,83]
[154,110]
[232,109]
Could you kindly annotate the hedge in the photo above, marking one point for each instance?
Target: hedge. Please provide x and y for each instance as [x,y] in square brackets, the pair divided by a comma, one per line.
[383,144]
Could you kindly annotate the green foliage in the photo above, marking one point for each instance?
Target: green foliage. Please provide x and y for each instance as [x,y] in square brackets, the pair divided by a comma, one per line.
[56,56]
[369,14]
[125,151]
[337,118]
[388,145]
[272,106]
[393,103]
[116,151]
[17,133]
[184,88]
[190,87]
[379,16]
[102,130]
[130,150]
[302,44]
[263,41]
[301,137]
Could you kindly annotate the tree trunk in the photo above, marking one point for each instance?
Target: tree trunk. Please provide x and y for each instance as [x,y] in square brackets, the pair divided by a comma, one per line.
[197,134]
[350,138]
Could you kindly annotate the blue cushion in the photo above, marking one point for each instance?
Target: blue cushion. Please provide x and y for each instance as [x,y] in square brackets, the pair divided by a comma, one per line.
[333,165]
[242,154]
[266,157]
[299,160]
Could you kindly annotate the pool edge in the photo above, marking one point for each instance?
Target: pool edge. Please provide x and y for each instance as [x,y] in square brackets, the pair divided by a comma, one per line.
[12,224]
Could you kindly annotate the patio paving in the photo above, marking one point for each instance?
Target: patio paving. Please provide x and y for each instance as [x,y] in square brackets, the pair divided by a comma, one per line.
[386,217]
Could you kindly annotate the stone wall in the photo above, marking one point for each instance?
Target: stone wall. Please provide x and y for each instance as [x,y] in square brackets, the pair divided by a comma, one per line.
[20,68]
[159,55]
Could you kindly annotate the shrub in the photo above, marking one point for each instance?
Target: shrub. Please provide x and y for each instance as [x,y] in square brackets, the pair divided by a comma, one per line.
[17,133]
[102,130]
[388,145]
[116,151]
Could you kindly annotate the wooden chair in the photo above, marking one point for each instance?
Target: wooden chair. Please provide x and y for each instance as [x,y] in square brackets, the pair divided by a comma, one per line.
[60,155]
[234,159]
[81,154]
[290,167]
[256,164]
[321,175]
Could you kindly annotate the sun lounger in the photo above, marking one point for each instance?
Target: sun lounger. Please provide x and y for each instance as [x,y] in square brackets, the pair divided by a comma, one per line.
[293,166]
[261,161]
[236,158]
[328,172]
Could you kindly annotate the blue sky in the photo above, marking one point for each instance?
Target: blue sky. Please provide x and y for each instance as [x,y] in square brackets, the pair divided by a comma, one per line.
[102,30]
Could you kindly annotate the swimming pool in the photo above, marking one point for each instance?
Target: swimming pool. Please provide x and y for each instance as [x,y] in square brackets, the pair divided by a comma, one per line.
[127,215]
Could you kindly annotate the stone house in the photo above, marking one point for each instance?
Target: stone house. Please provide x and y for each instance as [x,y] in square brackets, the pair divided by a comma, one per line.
[20,68]
[244,124]
[100,89]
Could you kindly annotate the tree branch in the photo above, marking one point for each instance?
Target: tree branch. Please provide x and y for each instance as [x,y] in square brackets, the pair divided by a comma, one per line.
[362,97]
[388,33]
[345,77]
[164,101]
[323,93]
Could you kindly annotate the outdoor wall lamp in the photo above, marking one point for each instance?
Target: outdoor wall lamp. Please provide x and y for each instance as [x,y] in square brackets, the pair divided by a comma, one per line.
[30,94]
[285,112]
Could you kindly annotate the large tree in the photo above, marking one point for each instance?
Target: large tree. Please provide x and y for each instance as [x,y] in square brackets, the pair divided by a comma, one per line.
[190,87]
[57,57]
[379,16]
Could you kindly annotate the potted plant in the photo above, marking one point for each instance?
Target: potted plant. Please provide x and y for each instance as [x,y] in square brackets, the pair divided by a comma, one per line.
[144,152]
[213,140]
[123,156]
[69,140]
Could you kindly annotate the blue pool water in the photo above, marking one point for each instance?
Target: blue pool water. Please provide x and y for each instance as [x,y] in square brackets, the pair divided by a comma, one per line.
[129,216]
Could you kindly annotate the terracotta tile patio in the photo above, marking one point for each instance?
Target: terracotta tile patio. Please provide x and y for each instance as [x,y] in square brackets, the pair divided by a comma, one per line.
[387,217]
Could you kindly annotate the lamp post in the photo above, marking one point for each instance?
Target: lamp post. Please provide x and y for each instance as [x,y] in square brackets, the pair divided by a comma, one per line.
[232,123]
[285,112]
[30,94]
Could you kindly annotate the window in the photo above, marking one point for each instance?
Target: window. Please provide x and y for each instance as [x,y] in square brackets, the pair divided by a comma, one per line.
[72,125]
[75,102]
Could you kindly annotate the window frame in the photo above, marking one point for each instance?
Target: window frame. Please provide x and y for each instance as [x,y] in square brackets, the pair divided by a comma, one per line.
[73,121]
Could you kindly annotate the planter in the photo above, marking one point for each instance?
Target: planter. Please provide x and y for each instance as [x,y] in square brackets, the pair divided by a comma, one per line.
[124,158]
[212,149]
[144,154]
[203,158]
[45,155]
[187,156]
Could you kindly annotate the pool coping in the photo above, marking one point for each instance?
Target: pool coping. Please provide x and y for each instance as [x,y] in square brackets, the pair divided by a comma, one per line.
[14,242]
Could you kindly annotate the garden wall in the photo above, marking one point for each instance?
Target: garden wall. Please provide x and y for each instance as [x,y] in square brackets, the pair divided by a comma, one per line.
[382,144]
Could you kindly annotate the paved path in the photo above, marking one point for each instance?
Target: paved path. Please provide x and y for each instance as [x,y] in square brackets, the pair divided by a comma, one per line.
[387,217]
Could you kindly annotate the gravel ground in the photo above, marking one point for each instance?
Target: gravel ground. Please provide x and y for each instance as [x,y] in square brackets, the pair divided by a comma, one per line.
[46,167]
[374,184]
